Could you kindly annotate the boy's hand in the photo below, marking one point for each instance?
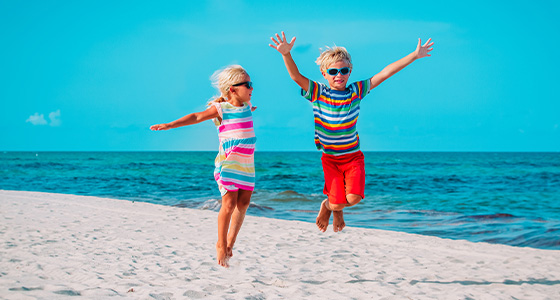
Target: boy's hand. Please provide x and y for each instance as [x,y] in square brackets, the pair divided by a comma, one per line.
[159,127]
[282,44]
[422,50]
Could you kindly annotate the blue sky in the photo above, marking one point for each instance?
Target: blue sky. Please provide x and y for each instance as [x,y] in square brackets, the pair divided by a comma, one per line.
[94,75]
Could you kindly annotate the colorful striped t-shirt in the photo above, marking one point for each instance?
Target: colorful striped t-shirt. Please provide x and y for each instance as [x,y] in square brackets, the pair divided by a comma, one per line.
[336,114]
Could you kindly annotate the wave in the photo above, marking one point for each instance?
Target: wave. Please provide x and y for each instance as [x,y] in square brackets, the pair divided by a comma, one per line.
[489,217]
[288,196]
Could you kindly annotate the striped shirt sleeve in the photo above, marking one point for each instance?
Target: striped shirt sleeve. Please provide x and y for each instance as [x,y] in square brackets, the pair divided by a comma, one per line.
[313,92]
[361,88]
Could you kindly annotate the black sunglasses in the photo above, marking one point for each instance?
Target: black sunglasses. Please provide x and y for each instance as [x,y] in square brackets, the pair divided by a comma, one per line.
[334,71]
[247,84]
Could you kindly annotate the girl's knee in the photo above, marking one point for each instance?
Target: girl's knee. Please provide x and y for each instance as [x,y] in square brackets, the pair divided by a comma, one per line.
[243,204]
[228,206]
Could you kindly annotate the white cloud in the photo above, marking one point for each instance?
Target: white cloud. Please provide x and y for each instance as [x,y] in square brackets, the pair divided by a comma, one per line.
[55,118]
[37,119]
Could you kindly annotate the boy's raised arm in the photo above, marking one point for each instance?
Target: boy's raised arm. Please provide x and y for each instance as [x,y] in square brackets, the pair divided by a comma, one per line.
[284,48]
[392,69]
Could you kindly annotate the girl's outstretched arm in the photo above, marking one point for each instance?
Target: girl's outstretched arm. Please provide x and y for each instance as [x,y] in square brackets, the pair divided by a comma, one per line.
[189,119]
[284,48]
[392,69]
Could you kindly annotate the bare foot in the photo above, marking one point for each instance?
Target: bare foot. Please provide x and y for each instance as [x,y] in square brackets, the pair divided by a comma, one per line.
[221,256]
[229,248]
[323,217]
[338,221]
[229,252]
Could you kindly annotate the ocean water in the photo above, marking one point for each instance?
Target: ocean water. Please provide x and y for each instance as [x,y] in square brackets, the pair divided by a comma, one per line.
[504,198]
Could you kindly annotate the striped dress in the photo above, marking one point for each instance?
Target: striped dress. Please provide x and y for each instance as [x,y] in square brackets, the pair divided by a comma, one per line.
[235,168]
[336,115]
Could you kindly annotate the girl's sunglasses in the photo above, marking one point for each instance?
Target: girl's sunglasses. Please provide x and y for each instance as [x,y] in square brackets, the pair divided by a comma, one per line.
[334,71]
[247,84]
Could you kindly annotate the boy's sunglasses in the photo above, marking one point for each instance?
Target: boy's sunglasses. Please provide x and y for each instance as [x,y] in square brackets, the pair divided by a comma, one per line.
[247,84]
[334,71]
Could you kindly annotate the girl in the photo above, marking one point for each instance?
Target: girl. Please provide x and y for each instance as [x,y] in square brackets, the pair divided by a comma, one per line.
[235,169]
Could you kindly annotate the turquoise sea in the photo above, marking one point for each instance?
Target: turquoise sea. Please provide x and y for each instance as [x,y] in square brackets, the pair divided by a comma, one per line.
[504,198]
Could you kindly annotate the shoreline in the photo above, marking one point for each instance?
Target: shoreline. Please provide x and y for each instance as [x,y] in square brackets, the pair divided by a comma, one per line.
[62,245]
[211,206]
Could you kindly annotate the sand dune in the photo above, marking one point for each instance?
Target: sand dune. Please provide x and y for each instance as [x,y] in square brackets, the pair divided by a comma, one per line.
[55,245]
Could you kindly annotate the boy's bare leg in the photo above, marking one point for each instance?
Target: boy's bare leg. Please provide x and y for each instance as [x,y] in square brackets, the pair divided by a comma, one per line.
[338,216]
[323,217]
[243,201]
[338,221]
[229,202]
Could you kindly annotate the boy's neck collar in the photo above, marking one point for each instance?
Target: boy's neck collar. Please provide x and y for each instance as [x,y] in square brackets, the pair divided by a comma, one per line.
[334,89]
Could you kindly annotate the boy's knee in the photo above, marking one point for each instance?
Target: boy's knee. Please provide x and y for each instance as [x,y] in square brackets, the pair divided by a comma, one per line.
[353,199]
[336,207]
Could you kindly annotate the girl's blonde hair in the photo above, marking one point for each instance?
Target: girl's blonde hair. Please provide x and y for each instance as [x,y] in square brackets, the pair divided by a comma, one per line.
[332,55]
[224,78]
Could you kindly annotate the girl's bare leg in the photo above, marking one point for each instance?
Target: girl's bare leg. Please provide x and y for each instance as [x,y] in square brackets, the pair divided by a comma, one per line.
[229,202]
[243,201]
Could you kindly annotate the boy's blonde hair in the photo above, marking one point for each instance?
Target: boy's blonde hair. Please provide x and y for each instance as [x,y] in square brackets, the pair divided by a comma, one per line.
[332,55]
[224,78]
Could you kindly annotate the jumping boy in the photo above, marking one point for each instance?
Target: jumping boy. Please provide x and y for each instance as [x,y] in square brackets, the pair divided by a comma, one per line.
[336,108]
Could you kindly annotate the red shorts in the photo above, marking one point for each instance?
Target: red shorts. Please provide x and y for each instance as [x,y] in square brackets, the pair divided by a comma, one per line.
[344,174]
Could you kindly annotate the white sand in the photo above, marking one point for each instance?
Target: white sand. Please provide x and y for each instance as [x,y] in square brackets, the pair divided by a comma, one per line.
[56,246]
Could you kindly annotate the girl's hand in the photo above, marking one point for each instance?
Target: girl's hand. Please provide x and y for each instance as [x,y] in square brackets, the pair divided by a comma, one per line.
[422,50]
[160,127]
[282,44]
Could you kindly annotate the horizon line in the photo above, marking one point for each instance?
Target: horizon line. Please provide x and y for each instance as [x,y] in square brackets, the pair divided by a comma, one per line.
[287,151]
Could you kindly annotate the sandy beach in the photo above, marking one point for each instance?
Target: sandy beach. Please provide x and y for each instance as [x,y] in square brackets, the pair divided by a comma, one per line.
[58,246]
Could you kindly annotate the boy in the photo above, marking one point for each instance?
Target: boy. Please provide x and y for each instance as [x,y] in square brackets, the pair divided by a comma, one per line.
[336,109]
